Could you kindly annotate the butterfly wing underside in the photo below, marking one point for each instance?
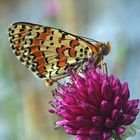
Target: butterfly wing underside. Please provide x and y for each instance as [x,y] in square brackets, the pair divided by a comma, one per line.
[47,51]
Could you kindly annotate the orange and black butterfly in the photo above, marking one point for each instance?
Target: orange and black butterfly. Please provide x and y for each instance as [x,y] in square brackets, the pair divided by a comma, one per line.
[48,52]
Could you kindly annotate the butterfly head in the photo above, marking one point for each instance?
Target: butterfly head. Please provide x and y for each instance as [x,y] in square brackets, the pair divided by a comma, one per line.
[105,48]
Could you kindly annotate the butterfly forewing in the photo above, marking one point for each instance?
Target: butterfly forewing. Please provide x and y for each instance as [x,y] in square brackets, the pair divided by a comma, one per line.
[47,51]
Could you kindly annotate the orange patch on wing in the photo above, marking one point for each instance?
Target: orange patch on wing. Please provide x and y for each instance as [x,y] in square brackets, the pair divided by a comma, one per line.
[36,42]
[74,43]
[43,36]
[34,49]
[49,31]
[59,39]
[95,49]
[62,63]
[62,58]
[18,45]
[72,52]
[38,55]
[41,62]
[61,50]
[41,71]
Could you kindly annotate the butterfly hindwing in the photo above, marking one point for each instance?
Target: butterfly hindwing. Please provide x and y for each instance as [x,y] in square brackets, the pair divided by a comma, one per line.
[47,51]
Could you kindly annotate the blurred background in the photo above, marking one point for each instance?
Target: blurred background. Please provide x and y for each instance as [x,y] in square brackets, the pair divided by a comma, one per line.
[24,98]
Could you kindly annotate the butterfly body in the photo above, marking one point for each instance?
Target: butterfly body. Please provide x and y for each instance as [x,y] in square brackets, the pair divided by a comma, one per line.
[48,52]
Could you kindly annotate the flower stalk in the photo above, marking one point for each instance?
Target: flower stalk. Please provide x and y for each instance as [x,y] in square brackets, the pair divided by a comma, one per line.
[116,137]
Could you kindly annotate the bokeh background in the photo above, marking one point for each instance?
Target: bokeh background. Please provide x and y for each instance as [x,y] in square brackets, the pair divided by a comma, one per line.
[24,98]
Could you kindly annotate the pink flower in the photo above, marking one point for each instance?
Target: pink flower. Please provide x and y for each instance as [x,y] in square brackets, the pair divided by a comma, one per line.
[94,106]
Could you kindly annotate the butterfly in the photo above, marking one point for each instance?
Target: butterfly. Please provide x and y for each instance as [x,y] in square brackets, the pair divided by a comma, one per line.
[48,52]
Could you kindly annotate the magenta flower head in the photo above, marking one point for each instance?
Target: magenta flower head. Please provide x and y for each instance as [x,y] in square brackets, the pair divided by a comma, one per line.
[94,106]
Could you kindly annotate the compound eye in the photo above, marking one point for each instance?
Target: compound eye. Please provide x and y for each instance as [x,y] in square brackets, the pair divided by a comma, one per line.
[104,49]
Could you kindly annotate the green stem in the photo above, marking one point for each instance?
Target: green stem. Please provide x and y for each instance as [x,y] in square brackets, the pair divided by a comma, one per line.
[116,137]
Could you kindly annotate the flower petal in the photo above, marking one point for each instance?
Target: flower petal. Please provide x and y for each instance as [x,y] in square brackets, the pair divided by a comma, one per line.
[109,123]
[127,119]
[106,91]
[97,121]
[75,110]
[104,107]
[116,114]
[128,106]
[83,131]
[117,91]
[51,110]
[69,99]
[134,112]
[135,103]
[95,131]
[120,130]
[83,120]
[71,131]
[125,92]
[117,102]
[107,135]
[65,114]
[82,90]
[89,109]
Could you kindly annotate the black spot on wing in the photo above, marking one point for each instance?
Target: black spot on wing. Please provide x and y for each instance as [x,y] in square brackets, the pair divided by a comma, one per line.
[57,70]
[41,76]
[50,76]
[51,38]
[77,59]
[81,50]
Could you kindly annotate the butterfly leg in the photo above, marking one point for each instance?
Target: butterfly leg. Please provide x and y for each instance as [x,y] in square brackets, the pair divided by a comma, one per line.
[104,68]
[49,82]
[78,67]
